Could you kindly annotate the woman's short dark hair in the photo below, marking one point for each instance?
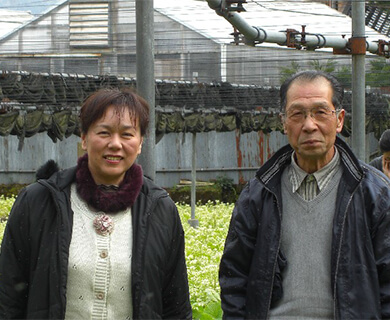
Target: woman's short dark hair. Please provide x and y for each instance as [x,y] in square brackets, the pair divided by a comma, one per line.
[310,75]
[384,141]
[124,99]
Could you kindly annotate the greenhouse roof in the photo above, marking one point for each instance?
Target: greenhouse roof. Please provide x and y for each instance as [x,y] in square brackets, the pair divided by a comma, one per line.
[267,14]
[10,20]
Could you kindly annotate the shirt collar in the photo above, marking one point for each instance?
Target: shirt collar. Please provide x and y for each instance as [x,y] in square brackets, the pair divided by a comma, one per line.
[297,175]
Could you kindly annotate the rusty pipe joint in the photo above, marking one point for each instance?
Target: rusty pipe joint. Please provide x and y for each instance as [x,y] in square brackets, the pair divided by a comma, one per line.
[291,38]
[384,48]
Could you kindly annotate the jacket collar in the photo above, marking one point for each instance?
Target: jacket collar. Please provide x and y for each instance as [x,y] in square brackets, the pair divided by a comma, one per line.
[270,173]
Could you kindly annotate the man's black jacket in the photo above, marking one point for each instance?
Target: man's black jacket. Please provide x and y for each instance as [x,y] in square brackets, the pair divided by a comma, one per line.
[250,269]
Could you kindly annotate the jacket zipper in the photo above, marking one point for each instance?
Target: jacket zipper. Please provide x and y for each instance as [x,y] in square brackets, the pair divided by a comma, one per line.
[277,252]
[272,280]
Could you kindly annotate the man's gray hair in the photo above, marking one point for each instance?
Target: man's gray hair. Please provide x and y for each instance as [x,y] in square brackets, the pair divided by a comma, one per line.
[310,75]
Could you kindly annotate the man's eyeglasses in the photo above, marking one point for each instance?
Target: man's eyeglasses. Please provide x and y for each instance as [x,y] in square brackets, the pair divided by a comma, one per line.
[319,114]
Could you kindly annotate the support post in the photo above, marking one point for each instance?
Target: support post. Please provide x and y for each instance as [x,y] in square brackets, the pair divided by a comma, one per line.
[145,79]
[358,136]
[193,221]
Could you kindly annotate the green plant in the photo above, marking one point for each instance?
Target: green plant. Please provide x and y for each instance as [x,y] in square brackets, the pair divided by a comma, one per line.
[11,190]
[5,208]
[329,66]
[225,183]
[286,72]
[344,75]
[212,309]
[204,194]
[2,228]
[223,190]
[228,190]
[379,73]
[204,247]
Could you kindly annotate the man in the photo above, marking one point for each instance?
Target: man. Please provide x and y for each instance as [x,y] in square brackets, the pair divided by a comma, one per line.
[309,236]
[382,162]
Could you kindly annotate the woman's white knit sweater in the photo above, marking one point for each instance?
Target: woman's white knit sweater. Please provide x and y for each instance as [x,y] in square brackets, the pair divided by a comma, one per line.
[99,268]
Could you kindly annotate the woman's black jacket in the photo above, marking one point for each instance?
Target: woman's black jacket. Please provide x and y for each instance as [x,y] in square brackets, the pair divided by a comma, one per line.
[250,269]
[35,250]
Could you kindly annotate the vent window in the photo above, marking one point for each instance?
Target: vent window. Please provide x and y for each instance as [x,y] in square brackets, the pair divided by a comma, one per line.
[89,23]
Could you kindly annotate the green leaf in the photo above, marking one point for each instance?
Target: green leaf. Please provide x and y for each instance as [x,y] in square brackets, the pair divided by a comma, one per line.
[214,309]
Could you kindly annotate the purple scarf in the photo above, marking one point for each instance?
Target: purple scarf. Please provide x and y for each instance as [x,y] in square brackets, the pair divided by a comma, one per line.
[108,201]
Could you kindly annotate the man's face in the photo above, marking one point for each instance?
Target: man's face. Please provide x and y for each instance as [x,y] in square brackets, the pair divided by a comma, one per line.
[312,137]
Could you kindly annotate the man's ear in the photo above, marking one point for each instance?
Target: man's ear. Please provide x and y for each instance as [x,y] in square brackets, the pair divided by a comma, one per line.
[340,120]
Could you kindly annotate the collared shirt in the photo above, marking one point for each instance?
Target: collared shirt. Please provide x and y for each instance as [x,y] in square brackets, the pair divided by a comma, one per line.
[309,185]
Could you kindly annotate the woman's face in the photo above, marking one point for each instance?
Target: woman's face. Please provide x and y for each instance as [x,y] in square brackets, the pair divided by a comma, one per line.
[113,144]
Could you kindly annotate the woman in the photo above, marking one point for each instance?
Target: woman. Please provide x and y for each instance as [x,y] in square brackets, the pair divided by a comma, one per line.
[100,240]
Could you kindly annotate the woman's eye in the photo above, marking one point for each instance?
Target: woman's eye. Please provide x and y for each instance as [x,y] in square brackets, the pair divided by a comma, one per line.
[128,134]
